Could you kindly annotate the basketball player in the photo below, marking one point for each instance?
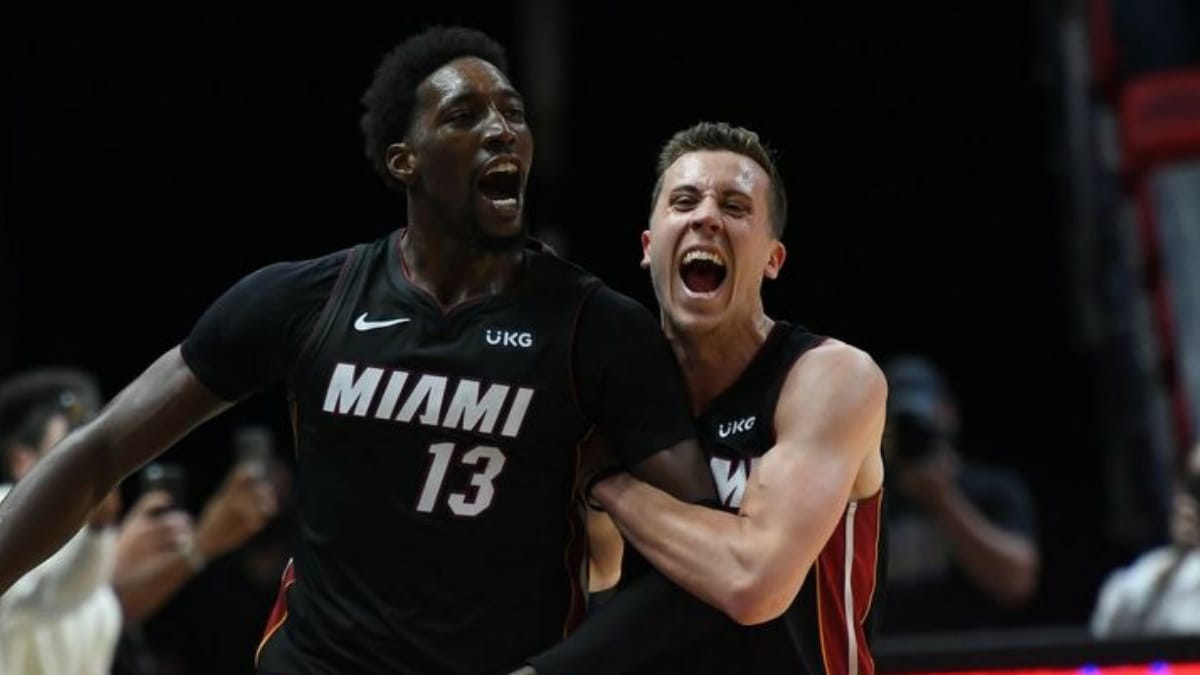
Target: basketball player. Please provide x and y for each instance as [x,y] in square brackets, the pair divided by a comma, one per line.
[791,424]
[440,380]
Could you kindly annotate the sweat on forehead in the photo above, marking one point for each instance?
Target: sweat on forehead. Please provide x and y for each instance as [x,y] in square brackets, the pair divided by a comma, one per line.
[718,170]
[463,78]
[464,73]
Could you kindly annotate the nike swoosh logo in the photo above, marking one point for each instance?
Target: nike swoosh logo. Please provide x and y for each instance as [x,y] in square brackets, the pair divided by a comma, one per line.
[362,324]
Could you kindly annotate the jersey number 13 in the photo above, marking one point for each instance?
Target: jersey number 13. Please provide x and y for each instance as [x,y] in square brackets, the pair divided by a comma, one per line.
[487,460]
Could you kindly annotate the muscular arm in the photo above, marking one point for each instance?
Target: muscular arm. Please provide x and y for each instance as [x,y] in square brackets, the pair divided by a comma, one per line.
[48,506]
[828,422]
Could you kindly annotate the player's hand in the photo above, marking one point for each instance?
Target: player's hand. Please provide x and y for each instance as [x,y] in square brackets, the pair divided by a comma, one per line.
[241,507]
[524,670]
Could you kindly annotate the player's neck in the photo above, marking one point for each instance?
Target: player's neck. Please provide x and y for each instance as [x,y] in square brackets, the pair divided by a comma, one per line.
[712,360]
[453,269]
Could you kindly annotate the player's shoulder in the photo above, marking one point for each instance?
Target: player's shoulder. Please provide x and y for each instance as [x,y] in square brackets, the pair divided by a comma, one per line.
[319,270]
[316,266]
[550,266]
[553,270]
[838,366]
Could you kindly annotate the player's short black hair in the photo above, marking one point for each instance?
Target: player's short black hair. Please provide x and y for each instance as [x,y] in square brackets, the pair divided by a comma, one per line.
[29,400]
[391,98]
[723,136]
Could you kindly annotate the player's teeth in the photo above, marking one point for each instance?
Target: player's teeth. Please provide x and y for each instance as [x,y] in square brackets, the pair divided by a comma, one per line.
[503,167]
[709,256]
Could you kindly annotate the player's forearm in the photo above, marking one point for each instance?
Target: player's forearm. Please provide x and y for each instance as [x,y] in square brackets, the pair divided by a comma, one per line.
[50,504]
[65,579]
[648,616]
[1002,563]
[703,550]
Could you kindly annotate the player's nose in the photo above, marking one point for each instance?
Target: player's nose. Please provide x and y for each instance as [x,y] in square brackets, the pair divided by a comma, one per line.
[706,216]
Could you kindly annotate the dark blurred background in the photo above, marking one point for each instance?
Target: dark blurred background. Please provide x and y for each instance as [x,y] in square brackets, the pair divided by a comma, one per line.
[931,153]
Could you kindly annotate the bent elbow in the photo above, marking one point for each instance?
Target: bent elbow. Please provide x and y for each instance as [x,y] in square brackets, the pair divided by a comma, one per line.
[756,601]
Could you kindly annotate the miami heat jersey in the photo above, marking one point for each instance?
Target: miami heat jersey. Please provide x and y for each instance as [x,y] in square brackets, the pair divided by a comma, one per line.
[825,631]
[436,460]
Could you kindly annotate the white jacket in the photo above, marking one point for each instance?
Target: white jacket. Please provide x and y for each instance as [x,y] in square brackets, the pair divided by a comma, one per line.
[62,618]
[1131,601]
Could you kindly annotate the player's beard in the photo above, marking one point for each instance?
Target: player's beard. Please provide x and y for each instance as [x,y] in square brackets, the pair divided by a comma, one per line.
[468,231]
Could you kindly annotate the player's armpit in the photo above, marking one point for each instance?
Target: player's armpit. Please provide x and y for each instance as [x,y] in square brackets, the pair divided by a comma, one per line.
[605,548]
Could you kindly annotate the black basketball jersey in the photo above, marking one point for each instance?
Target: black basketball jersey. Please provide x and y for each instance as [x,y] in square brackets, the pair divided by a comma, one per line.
[825,630]
[436,459]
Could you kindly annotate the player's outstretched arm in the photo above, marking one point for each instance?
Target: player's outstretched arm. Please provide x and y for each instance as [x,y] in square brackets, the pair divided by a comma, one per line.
[828,422]
[50,504]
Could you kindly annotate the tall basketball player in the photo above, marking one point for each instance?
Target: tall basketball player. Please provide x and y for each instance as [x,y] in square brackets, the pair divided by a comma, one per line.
[440,380]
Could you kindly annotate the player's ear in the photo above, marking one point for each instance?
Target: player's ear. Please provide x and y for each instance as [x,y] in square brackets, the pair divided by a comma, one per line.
[775,259]
[645,249]
[401,162]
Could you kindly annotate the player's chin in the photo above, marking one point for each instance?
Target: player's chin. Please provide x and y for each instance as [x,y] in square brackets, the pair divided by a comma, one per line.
[498,212]
[502,236]
[499,228]
[696,312]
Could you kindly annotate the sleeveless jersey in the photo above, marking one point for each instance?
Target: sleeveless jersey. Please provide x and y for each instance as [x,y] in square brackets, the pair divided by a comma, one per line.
[826,628]
[435,470]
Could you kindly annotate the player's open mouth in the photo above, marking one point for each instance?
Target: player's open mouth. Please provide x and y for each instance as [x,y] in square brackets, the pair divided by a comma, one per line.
[501,186]
[702,270]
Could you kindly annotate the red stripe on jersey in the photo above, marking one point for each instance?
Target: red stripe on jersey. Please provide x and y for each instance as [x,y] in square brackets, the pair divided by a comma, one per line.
[851,555]
[279,612]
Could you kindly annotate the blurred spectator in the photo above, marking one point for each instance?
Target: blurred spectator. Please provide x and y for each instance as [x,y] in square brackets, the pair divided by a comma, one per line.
[163,552]
[61,617]
[66,616]
[237,591]
[1160,592]
[962,535]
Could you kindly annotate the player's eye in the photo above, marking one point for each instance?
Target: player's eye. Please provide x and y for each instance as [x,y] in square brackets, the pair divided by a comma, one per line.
[515,114]
[459,116]
[737,209]
[683,202]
